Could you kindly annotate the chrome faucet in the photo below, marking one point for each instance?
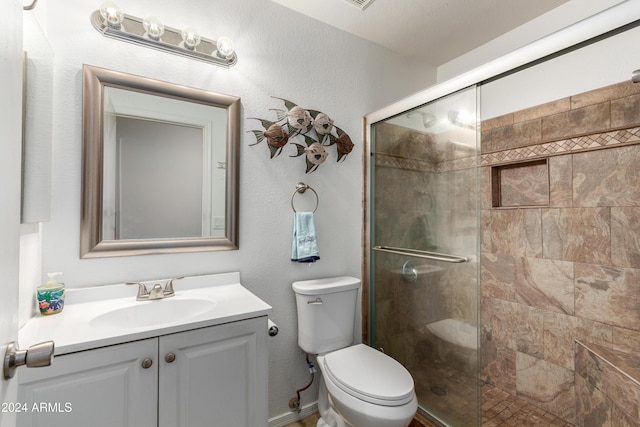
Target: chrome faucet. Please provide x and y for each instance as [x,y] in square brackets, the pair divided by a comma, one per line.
[156,292]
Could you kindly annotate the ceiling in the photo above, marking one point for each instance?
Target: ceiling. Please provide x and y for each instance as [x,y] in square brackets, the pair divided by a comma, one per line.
[433,31]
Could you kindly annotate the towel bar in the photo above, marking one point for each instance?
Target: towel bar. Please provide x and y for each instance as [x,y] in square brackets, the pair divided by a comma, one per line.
[421,254]
[301,187]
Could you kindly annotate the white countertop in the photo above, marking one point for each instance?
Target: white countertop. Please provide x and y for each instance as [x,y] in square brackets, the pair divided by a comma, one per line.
[79,326]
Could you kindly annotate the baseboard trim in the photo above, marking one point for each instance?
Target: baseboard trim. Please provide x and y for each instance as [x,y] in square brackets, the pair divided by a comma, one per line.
[291,417]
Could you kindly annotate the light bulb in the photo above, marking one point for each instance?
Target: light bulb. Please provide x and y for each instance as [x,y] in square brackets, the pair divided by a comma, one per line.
[153,27]
[190,38]
[112,14]
[225,47]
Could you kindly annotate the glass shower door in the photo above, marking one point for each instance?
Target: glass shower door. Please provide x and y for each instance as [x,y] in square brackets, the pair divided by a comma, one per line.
[424,226]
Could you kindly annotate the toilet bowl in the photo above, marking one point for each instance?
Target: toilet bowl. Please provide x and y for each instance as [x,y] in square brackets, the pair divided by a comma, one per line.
[359,386]
[368,388]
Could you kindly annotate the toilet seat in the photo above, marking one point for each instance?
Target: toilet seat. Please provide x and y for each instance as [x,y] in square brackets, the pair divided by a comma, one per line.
[369,375]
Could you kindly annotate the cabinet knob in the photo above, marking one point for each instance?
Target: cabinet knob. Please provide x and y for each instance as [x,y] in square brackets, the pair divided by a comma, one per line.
[146,363]
[170,357]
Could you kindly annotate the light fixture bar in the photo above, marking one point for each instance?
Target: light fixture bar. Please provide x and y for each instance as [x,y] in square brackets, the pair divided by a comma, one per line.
[132,30]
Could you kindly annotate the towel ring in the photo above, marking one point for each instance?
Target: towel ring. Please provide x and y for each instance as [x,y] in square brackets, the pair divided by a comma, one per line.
[301,187]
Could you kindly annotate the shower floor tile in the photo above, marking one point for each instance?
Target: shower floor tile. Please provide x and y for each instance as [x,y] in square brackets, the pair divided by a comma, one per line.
[441,387]
[499,408]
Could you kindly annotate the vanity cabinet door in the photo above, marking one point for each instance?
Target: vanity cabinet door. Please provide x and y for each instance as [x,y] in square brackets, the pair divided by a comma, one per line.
[215,376]
[104,387]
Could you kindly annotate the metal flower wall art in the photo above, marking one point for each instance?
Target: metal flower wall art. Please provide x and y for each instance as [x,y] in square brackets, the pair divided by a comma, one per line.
[314,128]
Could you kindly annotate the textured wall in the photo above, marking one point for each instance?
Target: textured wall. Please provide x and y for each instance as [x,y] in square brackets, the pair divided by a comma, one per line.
[568,270]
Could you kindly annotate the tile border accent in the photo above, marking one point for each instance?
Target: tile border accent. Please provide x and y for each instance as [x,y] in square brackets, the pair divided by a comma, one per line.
[396,162]
[594,141]
[421,165]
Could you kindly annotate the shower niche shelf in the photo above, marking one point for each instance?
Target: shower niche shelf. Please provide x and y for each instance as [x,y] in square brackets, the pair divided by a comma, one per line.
[520,185]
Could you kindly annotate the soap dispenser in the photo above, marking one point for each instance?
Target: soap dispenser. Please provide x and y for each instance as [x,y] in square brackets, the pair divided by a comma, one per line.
[51,295]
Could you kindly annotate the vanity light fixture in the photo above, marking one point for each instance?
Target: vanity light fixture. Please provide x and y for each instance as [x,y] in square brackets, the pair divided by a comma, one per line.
[190,39]
[153,28]
[225,47]
[151,32]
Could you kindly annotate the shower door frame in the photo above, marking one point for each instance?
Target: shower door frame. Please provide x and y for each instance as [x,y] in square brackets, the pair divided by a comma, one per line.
[572,37]
[462,98]
[587,31]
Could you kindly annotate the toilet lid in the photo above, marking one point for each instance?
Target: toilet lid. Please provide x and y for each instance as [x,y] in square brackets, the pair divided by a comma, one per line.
[369,375]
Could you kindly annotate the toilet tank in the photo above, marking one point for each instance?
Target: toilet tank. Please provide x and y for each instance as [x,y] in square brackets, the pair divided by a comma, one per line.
[326,313]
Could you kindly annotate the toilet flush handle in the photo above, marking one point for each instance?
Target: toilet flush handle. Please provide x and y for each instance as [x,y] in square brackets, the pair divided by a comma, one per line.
[315,301]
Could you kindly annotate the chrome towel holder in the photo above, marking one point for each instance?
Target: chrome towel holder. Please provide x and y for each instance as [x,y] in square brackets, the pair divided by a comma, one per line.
[301,187]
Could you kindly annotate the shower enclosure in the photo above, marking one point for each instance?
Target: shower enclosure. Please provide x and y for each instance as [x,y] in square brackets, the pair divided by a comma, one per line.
[423,245]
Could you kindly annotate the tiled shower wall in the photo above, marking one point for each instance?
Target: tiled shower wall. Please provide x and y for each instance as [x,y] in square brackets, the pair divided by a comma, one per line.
[566,266]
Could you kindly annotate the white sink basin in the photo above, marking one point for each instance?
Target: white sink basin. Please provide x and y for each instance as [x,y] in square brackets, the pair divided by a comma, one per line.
[107,315]
[150,313]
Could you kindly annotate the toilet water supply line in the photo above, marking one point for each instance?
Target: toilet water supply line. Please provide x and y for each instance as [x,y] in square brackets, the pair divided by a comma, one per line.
[294,402]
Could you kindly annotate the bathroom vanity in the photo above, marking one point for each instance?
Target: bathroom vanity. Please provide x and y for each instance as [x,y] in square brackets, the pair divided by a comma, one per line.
[120,362]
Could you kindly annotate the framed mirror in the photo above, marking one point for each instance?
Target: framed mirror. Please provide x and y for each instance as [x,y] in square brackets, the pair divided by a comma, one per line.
[160,167]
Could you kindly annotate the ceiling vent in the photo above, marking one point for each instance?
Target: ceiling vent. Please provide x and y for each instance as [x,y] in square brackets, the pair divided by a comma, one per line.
[361,4]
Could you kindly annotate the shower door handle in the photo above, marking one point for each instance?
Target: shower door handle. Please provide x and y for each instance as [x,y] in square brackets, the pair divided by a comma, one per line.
[421,254]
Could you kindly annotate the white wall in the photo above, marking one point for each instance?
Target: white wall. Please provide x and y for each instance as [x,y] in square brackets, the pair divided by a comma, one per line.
[10,153]
[567,14]
[600,64]
[281,54]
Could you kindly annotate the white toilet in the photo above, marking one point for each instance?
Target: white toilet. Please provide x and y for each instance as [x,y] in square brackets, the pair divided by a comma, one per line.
[359,386]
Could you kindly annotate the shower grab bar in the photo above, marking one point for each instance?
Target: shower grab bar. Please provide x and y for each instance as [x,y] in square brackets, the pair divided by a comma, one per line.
[421,254]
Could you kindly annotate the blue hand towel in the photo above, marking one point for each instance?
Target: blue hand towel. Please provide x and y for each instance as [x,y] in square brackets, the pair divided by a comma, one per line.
[304,247]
